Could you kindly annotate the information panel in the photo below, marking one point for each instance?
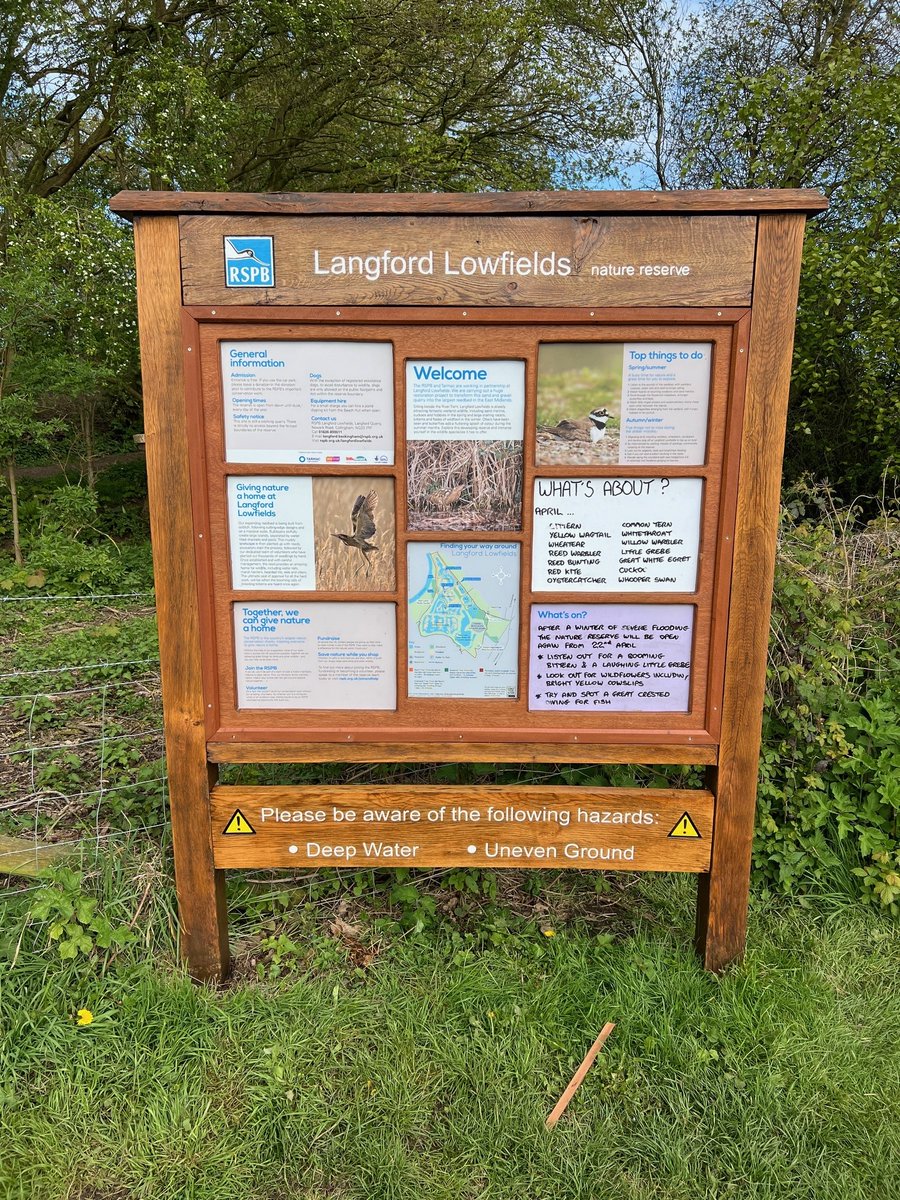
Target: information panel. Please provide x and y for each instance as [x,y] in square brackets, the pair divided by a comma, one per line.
[613,657]
[464,425]
[616,534]
[297,533]
[463,619]
[317,656]
[642,403]
[308,402]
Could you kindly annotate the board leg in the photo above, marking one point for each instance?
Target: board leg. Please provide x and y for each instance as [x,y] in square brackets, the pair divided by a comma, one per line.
[200,887]
[202,910]
[723,892]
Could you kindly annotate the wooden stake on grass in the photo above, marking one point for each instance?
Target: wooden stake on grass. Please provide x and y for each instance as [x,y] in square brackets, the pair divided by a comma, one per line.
[578,1078]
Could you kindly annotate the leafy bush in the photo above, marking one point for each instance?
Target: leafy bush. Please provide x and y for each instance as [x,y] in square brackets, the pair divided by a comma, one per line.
[71,536]
[829,794]
[122,500]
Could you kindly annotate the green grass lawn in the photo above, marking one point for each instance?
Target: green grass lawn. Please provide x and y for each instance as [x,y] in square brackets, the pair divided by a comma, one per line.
[384,1064]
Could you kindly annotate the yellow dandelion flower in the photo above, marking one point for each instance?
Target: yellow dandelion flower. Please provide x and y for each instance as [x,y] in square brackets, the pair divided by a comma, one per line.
[549,932]
[84,1016]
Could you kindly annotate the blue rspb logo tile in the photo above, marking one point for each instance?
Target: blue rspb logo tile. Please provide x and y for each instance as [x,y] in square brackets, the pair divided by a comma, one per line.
[249,262]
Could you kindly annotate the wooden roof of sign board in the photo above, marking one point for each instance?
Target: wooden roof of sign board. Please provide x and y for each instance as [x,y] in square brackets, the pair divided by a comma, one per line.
[760,200]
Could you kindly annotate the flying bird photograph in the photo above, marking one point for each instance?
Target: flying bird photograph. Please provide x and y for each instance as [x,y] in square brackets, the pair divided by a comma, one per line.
[354,534]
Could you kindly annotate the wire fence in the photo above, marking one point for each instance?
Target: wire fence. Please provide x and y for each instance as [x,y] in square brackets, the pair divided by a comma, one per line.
[83,761]
[83,758]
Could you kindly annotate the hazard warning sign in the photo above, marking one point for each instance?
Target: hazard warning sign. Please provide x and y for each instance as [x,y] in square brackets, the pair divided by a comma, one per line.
[647,829]
[238,823]
[684,828]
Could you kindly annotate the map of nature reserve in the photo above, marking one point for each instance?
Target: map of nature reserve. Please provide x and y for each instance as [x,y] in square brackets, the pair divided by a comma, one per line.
[463,620]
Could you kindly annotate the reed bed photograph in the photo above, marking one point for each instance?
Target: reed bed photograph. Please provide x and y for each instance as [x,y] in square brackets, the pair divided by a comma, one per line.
[464,485]
[579,404]
[354,531]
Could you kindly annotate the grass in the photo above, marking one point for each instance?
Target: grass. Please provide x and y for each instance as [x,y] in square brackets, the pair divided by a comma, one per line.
[427,1072]
[568,395]
[400,1037]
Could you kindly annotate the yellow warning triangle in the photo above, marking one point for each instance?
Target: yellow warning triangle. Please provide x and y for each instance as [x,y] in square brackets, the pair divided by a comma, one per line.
[238,824]
[684,827]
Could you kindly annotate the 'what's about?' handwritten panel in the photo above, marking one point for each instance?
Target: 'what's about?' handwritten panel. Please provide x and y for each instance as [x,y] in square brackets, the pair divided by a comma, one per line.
[616,535]
[611,657]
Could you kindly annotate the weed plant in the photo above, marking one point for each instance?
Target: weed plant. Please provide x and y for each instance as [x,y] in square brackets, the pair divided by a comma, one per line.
[829,792]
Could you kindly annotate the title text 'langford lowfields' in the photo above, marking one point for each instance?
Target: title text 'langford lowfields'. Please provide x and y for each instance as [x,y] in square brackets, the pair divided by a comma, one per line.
[382,263]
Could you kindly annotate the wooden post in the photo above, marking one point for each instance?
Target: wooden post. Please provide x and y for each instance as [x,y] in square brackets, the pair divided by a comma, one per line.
[201,888]
[724,892]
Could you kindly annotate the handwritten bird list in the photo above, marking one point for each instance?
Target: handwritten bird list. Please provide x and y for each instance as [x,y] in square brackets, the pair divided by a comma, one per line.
[612,657]
[616,534]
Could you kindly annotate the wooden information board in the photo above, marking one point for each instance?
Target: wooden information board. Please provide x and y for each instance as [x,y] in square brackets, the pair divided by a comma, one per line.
[465,478]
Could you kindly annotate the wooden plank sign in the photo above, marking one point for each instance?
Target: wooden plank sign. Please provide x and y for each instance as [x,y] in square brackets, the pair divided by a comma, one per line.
[464,478]
[549,260]
[655,829]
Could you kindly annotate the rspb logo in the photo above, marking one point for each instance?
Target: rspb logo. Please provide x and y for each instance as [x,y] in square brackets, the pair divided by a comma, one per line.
[249,262]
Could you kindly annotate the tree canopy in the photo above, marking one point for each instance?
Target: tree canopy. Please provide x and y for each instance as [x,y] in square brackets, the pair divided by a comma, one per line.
[406,95]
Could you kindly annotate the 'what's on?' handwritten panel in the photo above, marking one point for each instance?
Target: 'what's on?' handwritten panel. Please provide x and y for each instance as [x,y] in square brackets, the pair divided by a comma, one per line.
[611,657]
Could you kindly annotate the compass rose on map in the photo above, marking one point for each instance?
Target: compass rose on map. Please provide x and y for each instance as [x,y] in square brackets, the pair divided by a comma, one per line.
[501,576]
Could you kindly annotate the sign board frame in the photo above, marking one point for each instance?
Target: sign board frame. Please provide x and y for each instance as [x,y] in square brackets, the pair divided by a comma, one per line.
[738,259]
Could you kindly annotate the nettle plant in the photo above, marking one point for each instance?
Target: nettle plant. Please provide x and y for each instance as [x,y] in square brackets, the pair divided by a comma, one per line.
[73,920]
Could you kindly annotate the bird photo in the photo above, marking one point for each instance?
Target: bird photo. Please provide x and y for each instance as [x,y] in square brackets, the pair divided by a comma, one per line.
[579,403]
[354,533]
[591,428]
[362,518]
[464,484]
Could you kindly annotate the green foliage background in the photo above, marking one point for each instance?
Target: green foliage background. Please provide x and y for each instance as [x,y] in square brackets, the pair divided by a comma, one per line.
[369,95]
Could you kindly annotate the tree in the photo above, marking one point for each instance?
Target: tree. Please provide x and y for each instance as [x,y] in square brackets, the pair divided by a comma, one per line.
[647,46]
[352,94]
[26,297]
[806,93]
[83,360]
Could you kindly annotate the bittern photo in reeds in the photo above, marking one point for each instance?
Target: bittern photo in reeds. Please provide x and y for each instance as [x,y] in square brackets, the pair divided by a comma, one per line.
[362,520]
[464,484]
